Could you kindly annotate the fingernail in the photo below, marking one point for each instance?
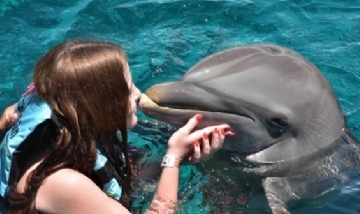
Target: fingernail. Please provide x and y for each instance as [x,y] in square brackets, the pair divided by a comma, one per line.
[222,131]
[196,143]
[198,117]
[216,130]
[205,136]
[230,133]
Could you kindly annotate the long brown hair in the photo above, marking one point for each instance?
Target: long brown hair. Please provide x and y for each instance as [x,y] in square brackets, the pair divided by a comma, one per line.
[85,84]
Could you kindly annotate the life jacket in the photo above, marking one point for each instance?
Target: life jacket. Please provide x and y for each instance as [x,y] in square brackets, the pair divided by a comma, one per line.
[20,142]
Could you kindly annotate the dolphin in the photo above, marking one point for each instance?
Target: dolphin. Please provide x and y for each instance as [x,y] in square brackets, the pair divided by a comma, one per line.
[289,127]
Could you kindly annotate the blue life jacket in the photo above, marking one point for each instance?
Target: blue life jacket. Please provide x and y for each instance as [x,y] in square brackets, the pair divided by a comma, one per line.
[21,138]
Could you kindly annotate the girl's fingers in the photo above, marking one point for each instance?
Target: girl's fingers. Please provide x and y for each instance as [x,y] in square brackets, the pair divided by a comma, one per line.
[229,133]
[221,138]
[211,138]
[198,134]
[206,144]
[191,124]
[197,152]
[215,142]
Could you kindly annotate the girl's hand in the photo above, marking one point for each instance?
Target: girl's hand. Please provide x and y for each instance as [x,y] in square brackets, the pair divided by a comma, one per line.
[209,144]
[185,142]
[9,117]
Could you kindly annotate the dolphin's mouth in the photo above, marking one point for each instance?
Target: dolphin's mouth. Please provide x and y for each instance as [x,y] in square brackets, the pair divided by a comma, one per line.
[149,107]
[146,105]
[182,99]
[175,115]
[179,116]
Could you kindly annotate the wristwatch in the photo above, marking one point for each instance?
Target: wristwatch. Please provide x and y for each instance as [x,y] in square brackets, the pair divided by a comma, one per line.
[170,161]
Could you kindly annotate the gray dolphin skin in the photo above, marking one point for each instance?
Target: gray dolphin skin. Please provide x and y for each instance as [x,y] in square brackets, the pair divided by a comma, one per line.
[290,129]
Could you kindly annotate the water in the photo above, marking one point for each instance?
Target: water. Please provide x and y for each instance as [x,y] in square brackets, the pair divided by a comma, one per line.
[165,38]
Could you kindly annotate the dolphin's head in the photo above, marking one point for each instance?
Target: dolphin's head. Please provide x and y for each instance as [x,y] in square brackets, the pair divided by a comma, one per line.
[278,104]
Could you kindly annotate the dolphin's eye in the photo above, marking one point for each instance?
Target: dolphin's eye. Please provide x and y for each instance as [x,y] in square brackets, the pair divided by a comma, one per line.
[278,122]
[277,126]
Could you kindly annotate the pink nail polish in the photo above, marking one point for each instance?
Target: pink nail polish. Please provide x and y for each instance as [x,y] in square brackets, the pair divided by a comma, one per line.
[205,136]
[196,143]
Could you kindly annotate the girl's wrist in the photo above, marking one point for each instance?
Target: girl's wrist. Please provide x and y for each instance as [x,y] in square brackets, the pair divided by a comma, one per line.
[174,152]
[171,161]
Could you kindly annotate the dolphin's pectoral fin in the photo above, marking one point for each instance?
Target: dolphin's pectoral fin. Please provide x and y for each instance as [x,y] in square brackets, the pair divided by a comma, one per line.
[281,190]
[276,194]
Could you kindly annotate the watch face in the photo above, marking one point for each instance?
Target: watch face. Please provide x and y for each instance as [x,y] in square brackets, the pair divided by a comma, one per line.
[165,160]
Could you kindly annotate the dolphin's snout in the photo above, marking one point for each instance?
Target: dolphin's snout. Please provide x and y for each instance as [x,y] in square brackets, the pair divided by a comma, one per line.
[146,102]
[175,95]
[162,93]
[153,93]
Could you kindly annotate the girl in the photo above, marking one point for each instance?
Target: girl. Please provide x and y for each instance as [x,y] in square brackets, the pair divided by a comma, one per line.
[92,98]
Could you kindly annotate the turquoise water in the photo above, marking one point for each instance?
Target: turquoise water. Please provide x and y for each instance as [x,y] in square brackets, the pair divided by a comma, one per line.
[165,38]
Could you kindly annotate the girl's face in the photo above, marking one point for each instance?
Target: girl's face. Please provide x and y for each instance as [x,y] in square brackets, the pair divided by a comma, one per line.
[133,99]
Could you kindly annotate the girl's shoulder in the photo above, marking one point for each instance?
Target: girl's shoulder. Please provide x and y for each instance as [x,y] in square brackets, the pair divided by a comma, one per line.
[69,191]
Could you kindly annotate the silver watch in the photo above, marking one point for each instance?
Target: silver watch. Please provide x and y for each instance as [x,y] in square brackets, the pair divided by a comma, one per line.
[170,161]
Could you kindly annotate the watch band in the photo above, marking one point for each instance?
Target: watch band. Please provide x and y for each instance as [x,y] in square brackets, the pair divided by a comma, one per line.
[171,161]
